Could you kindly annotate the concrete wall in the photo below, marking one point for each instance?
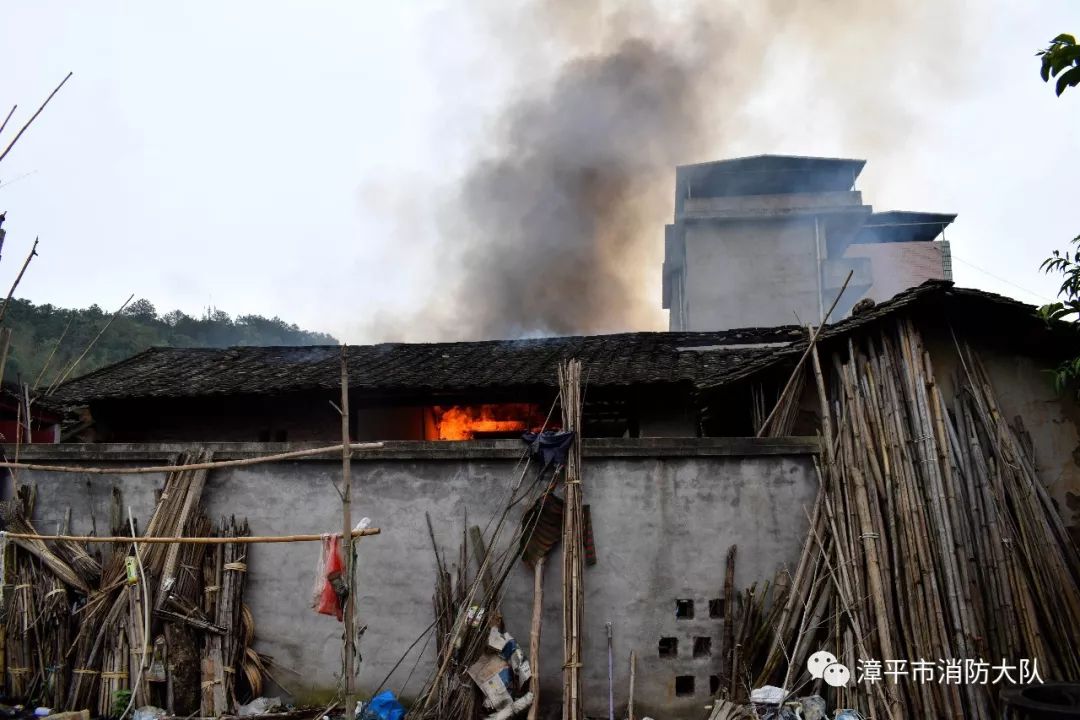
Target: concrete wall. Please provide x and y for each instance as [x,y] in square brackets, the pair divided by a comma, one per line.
[720,291]
[898,266]
[665,512]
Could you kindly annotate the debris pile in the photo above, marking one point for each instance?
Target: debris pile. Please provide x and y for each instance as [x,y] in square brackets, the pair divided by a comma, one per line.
[150,626]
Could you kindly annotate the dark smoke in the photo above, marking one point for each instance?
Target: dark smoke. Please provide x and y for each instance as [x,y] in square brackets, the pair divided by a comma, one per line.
[553,222]
[557,226]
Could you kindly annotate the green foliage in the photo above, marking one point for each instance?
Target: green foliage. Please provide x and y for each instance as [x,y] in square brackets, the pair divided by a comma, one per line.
[1068,308]
[35,330]
[1061,60]
[120,701]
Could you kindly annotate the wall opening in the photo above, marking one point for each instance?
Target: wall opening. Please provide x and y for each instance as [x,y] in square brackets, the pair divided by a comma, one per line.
[702,647]
[684,609]
[483,421]
[684,685]
[714,684]
[716,608]
[669,647]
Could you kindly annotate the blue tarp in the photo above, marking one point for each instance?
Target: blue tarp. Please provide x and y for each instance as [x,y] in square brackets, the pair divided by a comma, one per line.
[384,706]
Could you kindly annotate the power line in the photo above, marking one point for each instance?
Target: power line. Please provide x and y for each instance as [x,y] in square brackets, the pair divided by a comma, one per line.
[1001,279]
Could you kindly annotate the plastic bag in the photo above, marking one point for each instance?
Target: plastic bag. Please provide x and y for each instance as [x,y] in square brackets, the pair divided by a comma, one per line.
[384,706]
[329,602]
[259,706]
[320,574]
[150,712]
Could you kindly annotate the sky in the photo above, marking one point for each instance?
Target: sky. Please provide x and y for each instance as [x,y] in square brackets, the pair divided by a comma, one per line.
[297,158]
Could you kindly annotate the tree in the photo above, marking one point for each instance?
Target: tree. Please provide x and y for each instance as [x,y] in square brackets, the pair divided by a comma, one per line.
[1061,60]
[142,309]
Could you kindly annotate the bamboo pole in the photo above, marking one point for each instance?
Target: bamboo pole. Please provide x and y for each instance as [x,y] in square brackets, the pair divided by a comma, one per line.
[347,548]
[5,346]
[63,375]
[573,537]
[18,278]
[251,539]
[798,365]
[633,678]
[534,635]
[32,117]
[728,651]
[290,455]
[52,354]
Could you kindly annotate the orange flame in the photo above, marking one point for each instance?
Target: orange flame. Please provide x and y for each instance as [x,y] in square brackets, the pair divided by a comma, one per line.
[467,422]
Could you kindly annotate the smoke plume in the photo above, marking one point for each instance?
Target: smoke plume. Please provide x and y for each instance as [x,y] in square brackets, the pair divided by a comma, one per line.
[557,225]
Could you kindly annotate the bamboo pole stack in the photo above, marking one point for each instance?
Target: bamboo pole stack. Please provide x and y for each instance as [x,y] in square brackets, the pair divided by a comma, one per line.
[932,538]
[82,660]
[573,542]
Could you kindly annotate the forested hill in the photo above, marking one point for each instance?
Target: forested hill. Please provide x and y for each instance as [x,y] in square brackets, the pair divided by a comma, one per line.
[35,330]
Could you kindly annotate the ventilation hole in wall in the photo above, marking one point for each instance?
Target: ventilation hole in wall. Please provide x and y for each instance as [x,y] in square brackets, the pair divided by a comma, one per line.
[716,608]
[684,609]
[702,647]
[669,647]
[714,684]
[684,685]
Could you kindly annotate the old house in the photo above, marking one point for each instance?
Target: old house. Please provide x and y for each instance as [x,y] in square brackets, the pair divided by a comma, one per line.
[672,473]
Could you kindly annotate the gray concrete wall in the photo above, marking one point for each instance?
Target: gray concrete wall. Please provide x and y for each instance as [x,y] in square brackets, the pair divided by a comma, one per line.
[665,512]
[752,274]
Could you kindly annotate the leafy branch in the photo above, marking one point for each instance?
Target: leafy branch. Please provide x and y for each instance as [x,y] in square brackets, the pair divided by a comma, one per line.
[1061,60]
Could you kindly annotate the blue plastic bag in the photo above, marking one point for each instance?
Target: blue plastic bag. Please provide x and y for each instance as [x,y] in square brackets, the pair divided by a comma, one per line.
[384,706]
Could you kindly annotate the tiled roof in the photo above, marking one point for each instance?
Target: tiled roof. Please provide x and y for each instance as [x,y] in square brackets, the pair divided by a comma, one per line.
[648,358]
[1009,323]
[699,360]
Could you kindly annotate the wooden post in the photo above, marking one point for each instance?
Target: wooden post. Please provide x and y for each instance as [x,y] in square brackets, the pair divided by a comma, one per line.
[346,537]
[534,635]
[573,548]
[633,677]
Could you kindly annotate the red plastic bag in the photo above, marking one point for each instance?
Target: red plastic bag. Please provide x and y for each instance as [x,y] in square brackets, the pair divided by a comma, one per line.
[331,567]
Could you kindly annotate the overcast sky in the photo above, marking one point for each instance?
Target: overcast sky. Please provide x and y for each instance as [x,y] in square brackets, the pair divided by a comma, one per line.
[288,158]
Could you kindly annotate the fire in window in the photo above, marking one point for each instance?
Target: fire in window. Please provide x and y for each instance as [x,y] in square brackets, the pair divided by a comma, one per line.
[483,421]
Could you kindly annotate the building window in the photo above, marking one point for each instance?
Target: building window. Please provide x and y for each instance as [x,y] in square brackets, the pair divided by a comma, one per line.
[669,647]
[684,609]
[716,608]
[684,685]
[702,647]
